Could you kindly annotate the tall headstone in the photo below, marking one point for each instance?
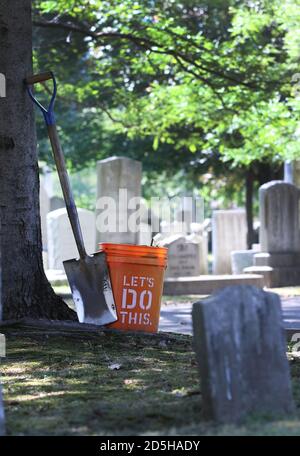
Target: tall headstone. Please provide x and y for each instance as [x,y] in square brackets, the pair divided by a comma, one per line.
[241,259]
[279,217]
[61,243]
[118,182]
[229,232]
[241,351]
[292,172]
[145,234]
[279,259]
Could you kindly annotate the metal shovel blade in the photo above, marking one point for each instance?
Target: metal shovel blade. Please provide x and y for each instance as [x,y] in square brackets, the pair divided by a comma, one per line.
[91,289]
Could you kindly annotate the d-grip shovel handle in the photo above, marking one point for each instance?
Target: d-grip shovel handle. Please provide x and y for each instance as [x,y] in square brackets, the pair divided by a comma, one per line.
[48,113]
[58,157]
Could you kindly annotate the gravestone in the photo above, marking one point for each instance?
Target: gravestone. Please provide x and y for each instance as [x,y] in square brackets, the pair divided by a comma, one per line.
[279,217]
[229,232]
[44,209]
[118,182]
[241,352]
[292,172]
[241,259]
[279,234]
[147,217]
[187,256]
[56,202]
[61,243]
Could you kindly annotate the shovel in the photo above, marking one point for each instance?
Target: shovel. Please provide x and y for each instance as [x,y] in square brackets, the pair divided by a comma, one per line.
[88,276]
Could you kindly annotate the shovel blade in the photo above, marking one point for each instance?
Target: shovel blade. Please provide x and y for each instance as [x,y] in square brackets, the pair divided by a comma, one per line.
[91,289]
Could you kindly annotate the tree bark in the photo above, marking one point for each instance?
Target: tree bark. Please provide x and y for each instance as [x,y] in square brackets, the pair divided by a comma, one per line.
[25,289]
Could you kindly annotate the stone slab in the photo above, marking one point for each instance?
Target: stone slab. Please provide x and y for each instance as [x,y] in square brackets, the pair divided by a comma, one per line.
[229,232]
[277,277]
[207,284]
[276,259]
[118,186]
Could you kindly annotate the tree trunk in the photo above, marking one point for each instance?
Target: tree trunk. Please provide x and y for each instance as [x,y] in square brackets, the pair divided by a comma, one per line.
[25,289]
[249,207]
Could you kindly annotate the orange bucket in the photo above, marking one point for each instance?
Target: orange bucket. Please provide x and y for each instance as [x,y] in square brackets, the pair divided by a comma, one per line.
[137,276]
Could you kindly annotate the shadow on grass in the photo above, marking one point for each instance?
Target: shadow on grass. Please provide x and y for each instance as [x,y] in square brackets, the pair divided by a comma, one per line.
[56,385]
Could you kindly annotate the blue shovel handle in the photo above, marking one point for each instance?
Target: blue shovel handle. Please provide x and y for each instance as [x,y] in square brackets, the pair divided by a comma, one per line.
[48,113]
[58,156]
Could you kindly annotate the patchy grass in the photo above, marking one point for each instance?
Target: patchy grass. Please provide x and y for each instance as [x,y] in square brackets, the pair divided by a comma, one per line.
[58,384]
[65,385]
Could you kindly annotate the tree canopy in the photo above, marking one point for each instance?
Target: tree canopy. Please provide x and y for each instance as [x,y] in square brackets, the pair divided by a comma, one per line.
[203,88]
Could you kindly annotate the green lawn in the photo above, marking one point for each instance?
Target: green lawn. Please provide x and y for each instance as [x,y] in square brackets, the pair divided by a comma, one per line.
[59,383]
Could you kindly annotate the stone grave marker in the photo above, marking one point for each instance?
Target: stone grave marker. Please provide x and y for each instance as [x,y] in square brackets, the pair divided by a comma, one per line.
[56,202]
[118,179]
[61,243]
[229,232]
[241,259]
[241,351]
[279,259]
[279,217]
[292,172]
[186,256]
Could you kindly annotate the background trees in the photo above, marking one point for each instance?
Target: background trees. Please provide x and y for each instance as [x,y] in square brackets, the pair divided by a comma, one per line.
[203,89]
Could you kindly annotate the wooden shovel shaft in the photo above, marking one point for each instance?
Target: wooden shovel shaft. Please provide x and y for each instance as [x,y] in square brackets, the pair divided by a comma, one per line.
[66,188]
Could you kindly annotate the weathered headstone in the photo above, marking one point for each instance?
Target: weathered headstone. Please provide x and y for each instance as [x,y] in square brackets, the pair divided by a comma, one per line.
[229,232]
[279,217]
[61,243]
[186,256]
[241,351]
[279,234]
[118,182]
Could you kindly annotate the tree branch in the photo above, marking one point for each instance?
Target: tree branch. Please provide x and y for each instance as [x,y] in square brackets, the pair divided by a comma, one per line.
[144,43]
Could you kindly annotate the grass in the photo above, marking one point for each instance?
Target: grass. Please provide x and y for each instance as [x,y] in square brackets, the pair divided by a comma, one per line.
[112,384]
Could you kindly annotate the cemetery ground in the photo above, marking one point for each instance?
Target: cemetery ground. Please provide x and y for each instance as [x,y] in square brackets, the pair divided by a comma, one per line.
[59,382]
